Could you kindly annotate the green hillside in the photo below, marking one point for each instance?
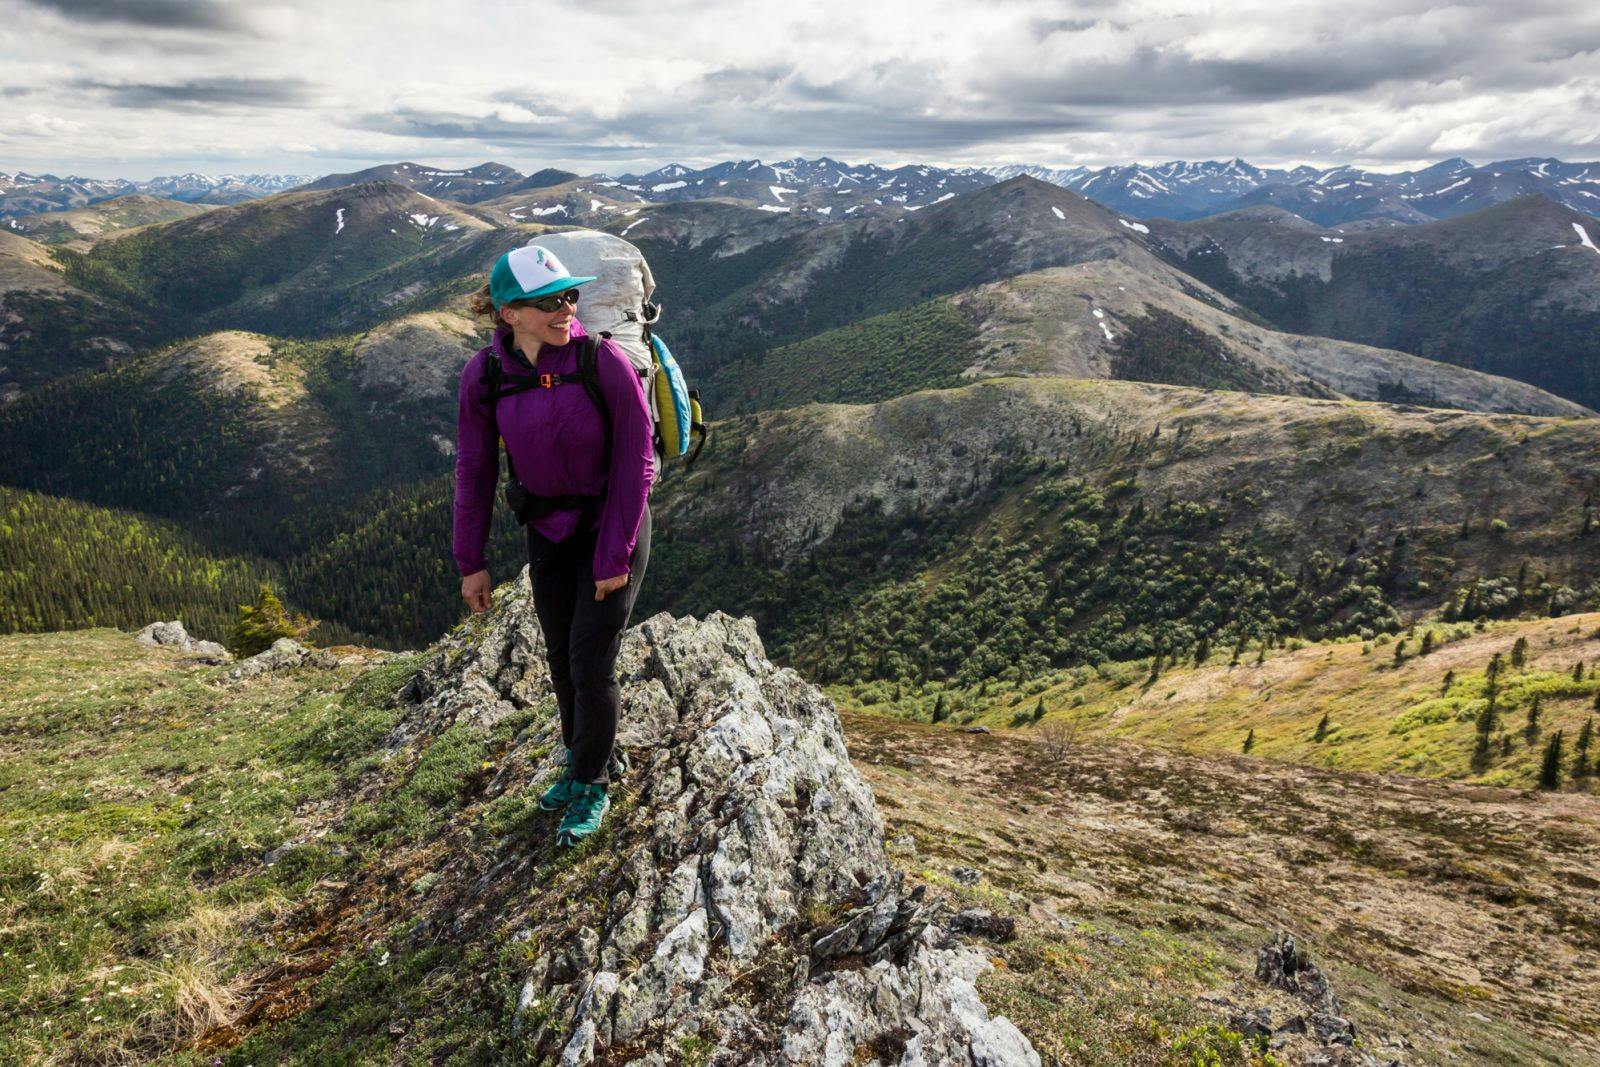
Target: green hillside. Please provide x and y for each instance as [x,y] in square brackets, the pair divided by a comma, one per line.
[66,565]
[925,346]
[1508,290]
[246,438]
[1012,527]
[301,263]
[789,288]
[81,227]
[1411,702]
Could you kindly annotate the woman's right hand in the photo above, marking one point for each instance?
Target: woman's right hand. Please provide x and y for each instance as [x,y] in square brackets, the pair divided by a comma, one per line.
[475,589]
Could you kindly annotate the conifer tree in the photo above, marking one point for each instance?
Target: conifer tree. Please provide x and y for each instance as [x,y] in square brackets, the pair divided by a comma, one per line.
[1427,643]
[1038,710]
[1449,680]
[1580,755]
[1202,651]
[939,708]
[1505,744]
[1249,740]
[1322,728]
[1550,771]
[1480,750]
[1485,728]
[1399,652]
[262,623]
[1519,652]
[1532,729]
[1577,671]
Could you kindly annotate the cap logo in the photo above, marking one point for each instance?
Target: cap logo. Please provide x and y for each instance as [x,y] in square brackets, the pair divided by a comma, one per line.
[533,266]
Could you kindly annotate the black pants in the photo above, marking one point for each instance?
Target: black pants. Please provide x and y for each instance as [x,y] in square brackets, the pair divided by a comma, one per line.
[582,636]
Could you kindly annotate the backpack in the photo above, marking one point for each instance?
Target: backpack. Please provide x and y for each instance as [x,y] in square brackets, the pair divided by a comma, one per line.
[617,305]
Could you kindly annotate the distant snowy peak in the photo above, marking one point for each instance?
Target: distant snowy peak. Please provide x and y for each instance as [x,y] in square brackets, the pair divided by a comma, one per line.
[24,193]
[221,188]
[810,187]
[1054,175]
[1182,189]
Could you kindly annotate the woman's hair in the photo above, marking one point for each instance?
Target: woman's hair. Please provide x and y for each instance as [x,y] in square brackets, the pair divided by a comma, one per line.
[482,305]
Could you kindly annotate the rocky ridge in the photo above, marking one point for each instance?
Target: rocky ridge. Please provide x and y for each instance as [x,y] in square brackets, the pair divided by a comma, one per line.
[738,900]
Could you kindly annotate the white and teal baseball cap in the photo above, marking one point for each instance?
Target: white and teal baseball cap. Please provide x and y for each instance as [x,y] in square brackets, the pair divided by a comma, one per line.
[527,273]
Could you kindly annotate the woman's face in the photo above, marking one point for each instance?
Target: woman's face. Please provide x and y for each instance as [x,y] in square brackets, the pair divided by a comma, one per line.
[553,328]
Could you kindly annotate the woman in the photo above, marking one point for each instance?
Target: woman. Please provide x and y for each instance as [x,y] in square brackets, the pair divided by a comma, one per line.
[585,563]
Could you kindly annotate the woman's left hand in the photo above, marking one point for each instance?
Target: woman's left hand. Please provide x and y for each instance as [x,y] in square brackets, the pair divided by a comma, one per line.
[609,585]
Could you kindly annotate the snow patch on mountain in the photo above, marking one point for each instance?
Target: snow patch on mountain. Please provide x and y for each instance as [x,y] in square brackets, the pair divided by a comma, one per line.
[1583,236]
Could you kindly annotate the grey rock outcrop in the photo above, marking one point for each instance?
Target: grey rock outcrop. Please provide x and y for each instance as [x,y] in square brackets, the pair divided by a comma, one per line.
[738,898]
[284,654]
[173,635]
[1283,964]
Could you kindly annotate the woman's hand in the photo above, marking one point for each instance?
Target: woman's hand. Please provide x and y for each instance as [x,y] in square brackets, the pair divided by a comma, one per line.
[475,590]
[609,585]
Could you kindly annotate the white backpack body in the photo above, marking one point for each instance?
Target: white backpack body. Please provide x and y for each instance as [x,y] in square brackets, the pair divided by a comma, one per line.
[614,302]
[617,304]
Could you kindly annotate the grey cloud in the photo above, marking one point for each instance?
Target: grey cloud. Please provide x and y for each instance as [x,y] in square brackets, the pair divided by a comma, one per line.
[710,131]
[205,94]
[154,14]
[1400,43]
[1047,27]
[746,109]
[1152,76]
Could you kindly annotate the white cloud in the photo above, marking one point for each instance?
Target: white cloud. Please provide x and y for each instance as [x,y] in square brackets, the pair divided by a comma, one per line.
[637,84]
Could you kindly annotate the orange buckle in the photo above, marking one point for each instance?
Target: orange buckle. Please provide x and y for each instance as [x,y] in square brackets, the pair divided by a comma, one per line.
[546,381]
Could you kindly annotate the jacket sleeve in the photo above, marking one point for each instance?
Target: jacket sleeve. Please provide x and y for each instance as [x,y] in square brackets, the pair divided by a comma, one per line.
[477,470]
[632,462]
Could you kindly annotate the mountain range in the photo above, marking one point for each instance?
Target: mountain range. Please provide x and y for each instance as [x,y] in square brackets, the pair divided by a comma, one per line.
[29,194]
[824,188]
[828,189]
[276,378]
[1334,196]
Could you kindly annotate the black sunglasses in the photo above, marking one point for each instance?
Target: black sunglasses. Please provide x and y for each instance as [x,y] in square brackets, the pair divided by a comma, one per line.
[554,301]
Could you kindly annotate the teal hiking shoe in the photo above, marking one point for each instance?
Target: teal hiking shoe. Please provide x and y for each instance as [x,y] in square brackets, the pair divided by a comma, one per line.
[558,795]
[587,807]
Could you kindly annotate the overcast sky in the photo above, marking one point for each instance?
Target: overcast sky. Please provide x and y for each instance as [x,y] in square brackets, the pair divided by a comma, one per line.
[136,88]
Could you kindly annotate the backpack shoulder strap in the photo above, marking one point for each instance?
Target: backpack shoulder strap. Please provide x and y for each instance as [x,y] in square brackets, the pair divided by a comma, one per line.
[589,372]
[491,373]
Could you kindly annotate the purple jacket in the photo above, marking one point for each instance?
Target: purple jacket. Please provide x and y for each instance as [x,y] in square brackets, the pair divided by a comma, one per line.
[556,440]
